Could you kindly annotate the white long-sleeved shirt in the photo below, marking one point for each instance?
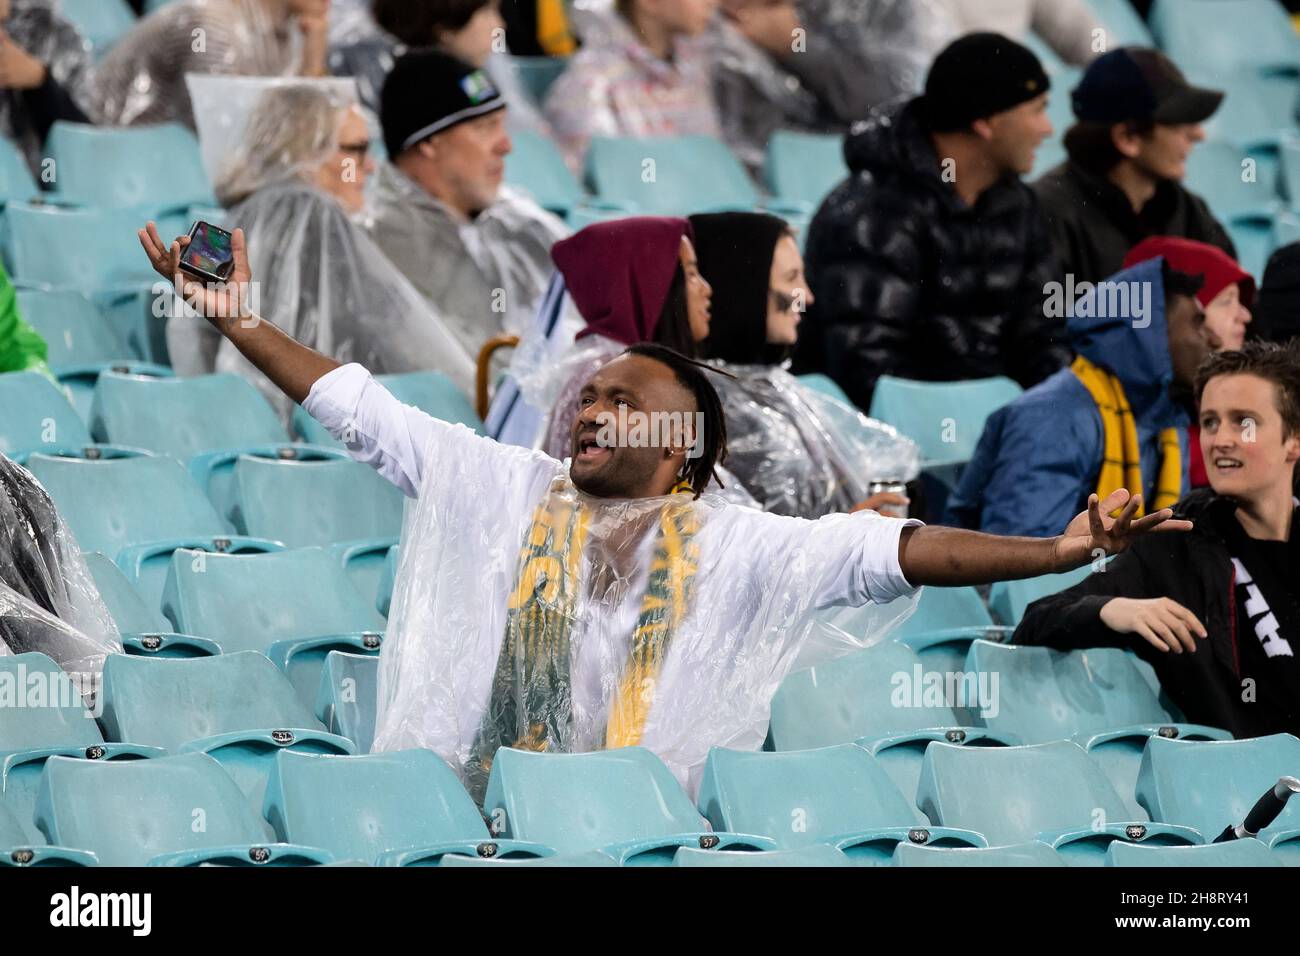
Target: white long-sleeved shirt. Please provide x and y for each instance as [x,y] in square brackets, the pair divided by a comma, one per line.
[761,581]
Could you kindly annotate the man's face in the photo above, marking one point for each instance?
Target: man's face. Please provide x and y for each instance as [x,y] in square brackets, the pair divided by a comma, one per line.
[1016,134]
[1242,438]
[1227,317]
[1162,153]
[1189,339]
[623,389]
[344,174]
[471,160]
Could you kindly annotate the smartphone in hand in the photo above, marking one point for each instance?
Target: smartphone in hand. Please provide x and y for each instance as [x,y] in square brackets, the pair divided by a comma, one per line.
[210,254]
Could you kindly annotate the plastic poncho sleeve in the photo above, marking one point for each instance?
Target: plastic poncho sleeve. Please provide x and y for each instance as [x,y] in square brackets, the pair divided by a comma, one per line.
[21,346]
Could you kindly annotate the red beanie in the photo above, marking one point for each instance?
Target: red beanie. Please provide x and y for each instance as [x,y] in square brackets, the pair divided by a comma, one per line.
[1198,259]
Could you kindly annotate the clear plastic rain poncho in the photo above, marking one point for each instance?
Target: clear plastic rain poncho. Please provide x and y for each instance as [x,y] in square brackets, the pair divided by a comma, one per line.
[34,26]
[517,601]
[141,80]
[318,276]
[856,55]
[48,600]
[803,453]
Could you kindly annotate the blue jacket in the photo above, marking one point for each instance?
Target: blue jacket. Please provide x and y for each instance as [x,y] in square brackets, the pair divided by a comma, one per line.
[1039,457]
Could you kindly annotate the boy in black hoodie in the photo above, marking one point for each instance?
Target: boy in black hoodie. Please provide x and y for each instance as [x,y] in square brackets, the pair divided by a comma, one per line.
[1217,610]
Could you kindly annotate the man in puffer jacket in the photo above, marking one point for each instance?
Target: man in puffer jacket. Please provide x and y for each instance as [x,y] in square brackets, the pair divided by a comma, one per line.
[930,260]
[1115,418]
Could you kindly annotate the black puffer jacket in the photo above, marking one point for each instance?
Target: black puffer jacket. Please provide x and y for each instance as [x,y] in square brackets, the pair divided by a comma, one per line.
[910,281]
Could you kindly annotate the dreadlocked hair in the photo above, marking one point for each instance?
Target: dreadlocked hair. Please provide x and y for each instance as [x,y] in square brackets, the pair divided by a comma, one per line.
[691,375]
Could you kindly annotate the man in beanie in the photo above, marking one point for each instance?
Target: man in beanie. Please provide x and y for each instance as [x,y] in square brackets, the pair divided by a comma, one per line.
[929,261]
[480,252]
[1138,121]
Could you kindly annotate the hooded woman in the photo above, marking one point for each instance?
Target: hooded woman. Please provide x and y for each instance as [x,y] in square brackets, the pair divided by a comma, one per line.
[48,600]
[293,183]
[795,450]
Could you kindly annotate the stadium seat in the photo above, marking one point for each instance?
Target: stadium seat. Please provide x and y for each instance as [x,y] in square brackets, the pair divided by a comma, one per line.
[1232,182]
[1017,854]
[1049,792]
[1010,599]
[1211,785]
[181,417]
[1258,112]
[943,625]
[102,22]
[140,623]
[1254,243]
[214,471]
[1260,37]
[816,855]
[81,342]
[35,416]
[129,168]
[1095,697]
[1123,25]
[51,718]
[537,73]
[396,809]
[366,562]
[431,392]
[669,175]
[18,849]
[862,698]
[16,181]
[839,796]
[346,701]
[944,418]
[804,167]
[536,168]
[387,580]
[307,503]
[580,217]
[826,385]
[147,812]
[237,708]
[294,606]
[623,802]
[591,859]
[1233,853]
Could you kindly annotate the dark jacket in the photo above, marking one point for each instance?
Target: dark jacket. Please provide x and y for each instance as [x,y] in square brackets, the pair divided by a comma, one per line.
[1039,457]
[1195,569]
[910,281]
[1093,225]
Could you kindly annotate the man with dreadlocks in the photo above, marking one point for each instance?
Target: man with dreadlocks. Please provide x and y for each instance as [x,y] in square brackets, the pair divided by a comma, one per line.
[609,601]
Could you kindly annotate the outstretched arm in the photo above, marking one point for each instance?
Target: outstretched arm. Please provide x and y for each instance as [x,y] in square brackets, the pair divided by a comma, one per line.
[293,367]
[949,557]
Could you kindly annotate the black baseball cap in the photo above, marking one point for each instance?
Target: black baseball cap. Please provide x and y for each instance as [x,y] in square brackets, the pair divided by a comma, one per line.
[428,92]
[1138,83]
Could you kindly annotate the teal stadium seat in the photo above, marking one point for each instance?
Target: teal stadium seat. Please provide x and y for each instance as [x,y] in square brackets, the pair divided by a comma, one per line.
[236,708]
[826,386]
[803,167]
[102,22]
[294,606]
[144,812]
[808,856]
[662,176]
[393,809]
[431,392]
[1227,36]
[35,416]
[1098,698]
[863,698]
[140,623]
[1123,25]
[1048,792]
[346,702]
[17,849]
[1211,785]
[622,802]
[536,167]
[129,168]
[944,418]
[1234,853]
[54,720]
[1016,854]
[839,796]
[1010,599]
[943,625]
[16,185]
[307,503]
[537,73]
[387,581]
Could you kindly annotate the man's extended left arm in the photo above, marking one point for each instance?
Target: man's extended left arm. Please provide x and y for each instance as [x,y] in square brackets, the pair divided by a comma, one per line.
[950,557]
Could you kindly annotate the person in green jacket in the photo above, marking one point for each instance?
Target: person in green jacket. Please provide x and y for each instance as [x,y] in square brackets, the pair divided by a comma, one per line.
[21,346]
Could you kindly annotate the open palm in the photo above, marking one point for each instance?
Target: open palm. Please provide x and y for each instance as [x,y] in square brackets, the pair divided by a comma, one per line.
[1094,531]
[219,302]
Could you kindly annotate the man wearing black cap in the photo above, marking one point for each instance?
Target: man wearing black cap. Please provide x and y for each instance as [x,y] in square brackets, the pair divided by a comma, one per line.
[1138,121]
[480,252]
[929,261]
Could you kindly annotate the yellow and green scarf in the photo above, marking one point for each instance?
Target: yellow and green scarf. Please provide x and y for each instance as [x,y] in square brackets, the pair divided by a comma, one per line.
[1121,465]
[531,703]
